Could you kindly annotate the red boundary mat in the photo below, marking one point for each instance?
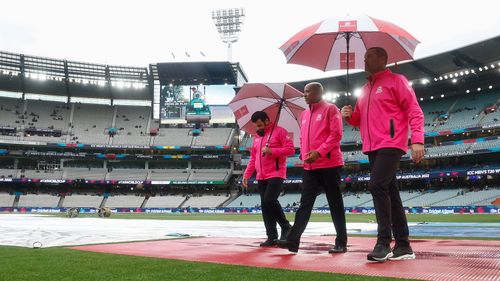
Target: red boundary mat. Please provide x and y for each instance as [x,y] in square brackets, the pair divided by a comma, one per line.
[436,259]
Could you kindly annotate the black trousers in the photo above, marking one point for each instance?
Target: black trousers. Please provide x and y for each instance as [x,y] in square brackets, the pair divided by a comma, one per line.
[272,212]
[383,186]
[327,179]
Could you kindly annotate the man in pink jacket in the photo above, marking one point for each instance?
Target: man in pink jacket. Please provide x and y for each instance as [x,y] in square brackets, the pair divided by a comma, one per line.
[385,108]
[320,135]
[270,148]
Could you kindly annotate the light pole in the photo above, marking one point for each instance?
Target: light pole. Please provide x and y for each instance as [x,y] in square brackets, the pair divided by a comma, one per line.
[228,23]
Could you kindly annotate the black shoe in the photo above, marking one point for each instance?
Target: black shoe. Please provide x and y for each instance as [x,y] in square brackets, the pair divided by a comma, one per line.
[402,253]
[268,243]
[337,249]
[285,231]
[284,244]
[380,253]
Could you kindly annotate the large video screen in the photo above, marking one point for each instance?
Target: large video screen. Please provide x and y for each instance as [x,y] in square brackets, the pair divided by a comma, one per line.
[177,101]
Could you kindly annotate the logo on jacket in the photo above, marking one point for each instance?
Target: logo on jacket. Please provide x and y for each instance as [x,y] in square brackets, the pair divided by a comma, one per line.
[318,118]
[379,90]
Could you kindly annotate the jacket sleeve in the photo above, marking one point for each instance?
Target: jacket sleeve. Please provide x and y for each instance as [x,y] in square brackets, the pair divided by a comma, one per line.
[355,117]
[251,164]
[409,104]
[287,147]
[335,124]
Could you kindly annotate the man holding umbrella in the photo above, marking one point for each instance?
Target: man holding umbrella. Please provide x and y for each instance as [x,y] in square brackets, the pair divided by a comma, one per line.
[320,135]
[385,108]
[270,148]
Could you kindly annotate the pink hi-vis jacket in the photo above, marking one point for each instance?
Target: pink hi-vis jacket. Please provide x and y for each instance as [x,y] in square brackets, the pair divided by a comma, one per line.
[321,130]
[271,165]
[384,109]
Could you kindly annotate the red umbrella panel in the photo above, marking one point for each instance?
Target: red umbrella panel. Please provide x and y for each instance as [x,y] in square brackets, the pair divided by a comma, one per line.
[282,103]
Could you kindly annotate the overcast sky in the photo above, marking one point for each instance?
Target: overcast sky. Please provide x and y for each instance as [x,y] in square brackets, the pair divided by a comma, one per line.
[137,33]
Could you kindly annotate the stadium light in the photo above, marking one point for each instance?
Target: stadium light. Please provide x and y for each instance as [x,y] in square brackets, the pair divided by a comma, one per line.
[454,80]
[432,97]
[442,95]
[466,72]
[485,67]
[490,87]
[480,69]
[479,89]
[468,91]
[410,83]
[421,99]
[228,23]
[492,66]
[357,92]
[425,81]
[461,73]
[446,77]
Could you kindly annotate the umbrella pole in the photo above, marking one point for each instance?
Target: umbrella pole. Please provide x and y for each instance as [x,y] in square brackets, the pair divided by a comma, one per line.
[282,102]
[347,38]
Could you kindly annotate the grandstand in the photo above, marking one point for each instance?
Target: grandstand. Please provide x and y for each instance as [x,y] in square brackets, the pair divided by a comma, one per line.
[100,125]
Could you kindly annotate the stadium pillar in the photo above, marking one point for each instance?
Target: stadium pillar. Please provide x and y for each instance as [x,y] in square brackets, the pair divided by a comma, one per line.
[23,75]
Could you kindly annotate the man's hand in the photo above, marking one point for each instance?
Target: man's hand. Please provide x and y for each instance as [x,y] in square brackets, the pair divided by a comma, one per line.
[417,152]
[267,150]
[346,112]
[245,183]
[311,156]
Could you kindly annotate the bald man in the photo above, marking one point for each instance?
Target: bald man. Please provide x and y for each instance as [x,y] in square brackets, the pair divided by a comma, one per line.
[320,135]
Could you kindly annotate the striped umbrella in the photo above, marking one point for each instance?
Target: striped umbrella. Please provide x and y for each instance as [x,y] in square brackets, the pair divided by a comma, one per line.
[282,103]
[340,43]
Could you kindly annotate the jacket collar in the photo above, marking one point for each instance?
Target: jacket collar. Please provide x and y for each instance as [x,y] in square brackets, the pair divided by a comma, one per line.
[378,75]
[269,127]
[317,105]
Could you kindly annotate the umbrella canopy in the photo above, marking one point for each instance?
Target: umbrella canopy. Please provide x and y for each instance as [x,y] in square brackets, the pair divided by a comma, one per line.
[325,45]
[282,103]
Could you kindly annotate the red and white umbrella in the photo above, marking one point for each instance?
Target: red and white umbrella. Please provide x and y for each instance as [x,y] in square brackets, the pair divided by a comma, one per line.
[282,103]
[326,44]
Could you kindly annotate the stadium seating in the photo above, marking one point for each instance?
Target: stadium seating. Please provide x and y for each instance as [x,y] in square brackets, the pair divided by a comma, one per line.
[49,114]
[79,200]
[40,200]
[170,201]
[205,201]
[214,136]
[124,201]
[6,199]
[481,197]
[171,136]
[132,124]
[90,122]
[11,111]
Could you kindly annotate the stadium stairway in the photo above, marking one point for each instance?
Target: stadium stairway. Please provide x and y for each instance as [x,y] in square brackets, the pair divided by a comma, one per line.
[232,197]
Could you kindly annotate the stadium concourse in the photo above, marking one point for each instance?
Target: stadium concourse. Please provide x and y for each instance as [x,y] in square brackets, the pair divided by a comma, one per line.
[80,138]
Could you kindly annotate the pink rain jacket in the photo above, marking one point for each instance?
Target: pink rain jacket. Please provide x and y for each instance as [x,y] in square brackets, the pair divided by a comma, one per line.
[273,165]
[385,108]
[321,130]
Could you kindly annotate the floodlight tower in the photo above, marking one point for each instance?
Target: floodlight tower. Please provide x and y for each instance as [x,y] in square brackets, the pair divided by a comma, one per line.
[228,23]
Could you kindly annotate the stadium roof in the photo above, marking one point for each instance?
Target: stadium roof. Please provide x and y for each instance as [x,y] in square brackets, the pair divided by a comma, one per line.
[192,73]
[425,73]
